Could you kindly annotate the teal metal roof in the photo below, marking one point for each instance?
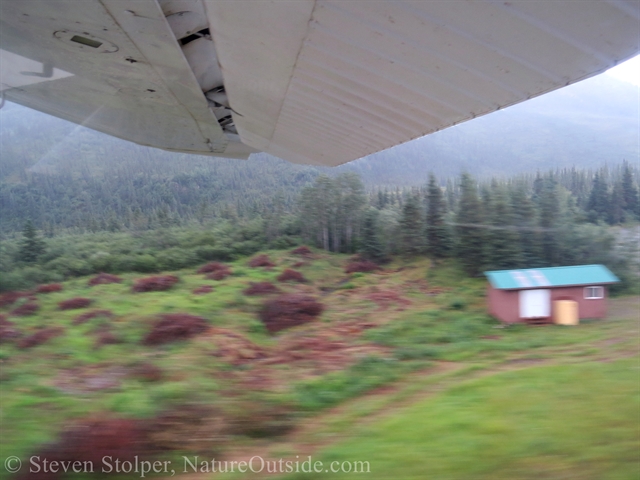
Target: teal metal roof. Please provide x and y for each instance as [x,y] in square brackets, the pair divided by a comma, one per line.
[550,277]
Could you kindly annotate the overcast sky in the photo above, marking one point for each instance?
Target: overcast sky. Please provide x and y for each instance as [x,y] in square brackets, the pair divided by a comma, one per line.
[628,71]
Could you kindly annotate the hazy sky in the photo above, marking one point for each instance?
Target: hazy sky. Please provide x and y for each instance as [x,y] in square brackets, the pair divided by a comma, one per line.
[628,71]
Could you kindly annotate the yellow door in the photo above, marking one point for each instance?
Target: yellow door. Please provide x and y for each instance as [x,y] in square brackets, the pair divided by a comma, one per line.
[565,312]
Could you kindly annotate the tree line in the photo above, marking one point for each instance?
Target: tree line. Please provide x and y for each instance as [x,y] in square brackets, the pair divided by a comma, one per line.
[544,219]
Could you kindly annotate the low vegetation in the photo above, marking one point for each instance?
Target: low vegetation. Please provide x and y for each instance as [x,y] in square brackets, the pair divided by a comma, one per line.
[247,359]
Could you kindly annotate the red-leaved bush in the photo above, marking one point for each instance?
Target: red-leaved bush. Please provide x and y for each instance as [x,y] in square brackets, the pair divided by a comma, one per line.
[74,303]
[361,266]
[49,288]
[91,441]
[220,274]
[261,260]
[41,336]
[303,251]
[261,288]
[103,279]
[288,311]
[212,267]
[26,309]
[85,317]
[156,283]
[8,330]
[171,327]
[10,298]
[291,276]
[203,290]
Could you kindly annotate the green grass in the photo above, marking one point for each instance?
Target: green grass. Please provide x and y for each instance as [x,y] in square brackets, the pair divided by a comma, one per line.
[570,421]
[40,393]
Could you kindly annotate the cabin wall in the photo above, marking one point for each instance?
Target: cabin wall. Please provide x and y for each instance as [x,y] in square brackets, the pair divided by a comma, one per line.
[503,304]
[587,308]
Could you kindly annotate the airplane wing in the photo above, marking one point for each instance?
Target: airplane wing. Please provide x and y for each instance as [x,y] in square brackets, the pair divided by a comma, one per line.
[311,81]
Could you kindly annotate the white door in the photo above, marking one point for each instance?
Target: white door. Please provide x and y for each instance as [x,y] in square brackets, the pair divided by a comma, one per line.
[535,303]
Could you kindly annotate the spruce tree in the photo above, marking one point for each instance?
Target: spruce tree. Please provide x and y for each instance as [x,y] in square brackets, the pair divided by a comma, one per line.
[411,227]
[32,247]
[371,247]
[549,209]
[503,243]
[598,204]
[629,191]
[468,227]
[438,240]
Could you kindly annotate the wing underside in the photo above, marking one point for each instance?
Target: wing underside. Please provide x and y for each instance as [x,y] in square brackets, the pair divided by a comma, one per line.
[311,81]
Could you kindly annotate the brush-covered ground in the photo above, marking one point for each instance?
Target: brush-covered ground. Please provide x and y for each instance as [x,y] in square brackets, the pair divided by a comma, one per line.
[403,368]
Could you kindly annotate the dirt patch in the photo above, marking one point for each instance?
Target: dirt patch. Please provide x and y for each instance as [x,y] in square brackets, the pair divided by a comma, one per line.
[290,275]
[89,379]
[75,303]
[235,349]
[385,298]
[40,337]
[156,283]
[26,309]
[85,317]
[261,288]
[204,289]
[49,288]
[289,310]
[104,279]
[147,372]
[187,428]
[261,260]
[361,266]
[172,327]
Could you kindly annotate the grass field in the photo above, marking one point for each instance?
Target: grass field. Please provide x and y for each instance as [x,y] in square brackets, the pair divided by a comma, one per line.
[403,369]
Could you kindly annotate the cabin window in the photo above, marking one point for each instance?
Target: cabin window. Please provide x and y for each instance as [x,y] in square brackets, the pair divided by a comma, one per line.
[592,293]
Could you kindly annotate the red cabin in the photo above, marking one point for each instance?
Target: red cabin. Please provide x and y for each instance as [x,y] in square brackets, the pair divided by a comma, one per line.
[549,295]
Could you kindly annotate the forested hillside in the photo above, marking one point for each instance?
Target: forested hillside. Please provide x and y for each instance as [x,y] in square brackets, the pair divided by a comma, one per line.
[65,176]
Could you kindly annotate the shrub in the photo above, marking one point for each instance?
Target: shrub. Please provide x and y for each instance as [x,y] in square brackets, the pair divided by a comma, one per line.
[261,288]
[144,264]
[288,311]
[261,260]
[74,303]
[8,330]
[302,251]
[219,275]
[26,309]
[103,279]
[39,337]
[10,298]
[85,317]
[94,439]
[173,327]
[361,266]
[203,290]
[106,337]
[212,267]
[156,283]
[49,288]
[291,276]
